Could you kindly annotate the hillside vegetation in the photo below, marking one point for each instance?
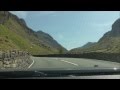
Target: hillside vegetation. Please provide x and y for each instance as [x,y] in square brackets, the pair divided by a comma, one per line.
[15,34]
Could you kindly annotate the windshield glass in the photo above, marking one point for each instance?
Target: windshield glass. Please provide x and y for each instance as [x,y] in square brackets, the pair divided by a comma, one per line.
[38,40]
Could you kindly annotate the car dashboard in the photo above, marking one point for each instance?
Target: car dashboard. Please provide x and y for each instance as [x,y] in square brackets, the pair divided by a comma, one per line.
[95,73]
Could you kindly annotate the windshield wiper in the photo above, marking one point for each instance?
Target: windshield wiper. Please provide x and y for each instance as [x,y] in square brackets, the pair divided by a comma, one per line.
[40,74]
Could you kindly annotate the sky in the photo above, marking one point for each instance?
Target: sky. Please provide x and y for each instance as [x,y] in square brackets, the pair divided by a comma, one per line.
[71,29]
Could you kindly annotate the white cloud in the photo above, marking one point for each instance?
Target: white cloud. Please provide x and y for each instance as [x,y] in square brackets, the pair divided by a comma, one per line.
[60,36]
[102,24]
[105,26]
[20,14]
[72,44]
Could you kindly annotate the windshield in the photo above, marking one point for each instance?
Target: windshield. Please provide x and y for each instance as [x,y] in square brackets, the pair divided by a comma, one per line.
[59,40]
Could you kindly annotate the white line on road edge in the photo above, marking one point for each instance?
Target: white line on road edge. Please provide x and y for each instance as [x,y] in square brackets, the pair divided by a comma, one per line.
[70,62]
[31,64]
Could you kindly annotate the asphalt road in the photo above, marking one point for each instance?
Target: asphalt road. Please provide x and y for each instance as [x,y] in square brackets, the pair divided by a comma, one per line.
[68,63]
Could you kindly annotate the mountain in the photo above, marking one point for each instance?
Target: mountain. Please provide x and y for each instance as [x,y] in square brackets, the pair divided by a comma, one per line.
[109,43]
[87,45]
[49,41]
[84,47]
[15,34]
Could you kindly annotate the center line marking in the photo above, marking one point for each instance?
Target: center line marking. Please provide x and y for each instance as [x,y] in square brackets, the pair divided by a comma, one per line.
[70,62]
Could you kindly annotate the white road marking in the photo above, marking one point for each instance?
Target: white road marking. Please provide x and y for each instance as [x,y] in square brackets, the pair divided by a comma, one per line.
[70,62]
[31,64]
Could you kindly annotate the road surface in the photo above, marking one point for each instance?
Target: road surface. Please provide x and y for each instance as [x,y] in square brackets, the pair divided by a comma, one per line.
[68,63]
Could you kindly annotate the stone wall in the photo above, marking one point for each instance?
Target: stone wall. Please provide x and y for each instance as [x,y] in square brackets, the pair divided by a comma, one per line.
[14,59]
[113,57]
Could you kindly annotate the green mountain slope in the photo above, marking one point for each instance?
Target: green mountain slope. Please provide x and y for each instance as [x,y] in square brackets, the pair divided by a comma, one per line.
[109,43]
[50,42]
[14,34]
[83,48]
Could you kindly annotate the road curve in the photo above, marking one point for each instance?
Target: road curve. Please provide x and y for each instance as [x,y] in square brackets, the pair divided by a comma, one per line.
[68,63]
